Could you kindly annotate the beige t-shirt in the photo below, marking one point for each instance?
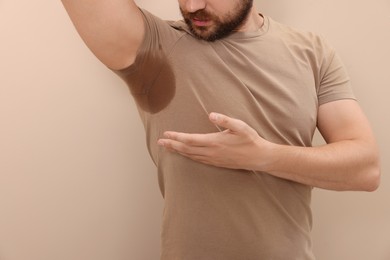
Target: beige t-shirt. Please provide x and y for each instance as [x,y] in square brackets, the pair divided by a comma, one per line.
[274,79]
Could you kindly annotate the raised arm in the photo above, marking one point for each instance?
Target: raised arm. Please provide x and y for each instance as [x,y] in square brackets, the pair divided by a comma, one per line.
[112,29]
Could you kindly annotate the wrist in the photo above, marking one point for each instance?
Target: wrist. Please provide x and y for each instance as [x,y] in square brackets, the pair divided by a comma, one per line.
[266,156]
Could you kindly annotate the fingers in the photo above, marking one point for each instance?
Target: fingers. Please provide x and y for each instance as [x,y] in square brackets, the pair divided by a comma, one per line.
[232,124]
[190,139]
[197,153]
[182,148]
[183,143]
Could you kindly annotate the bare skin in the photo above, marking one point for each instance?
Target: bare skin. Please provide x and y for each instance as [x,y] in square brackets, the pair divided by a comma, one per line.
[113,30]
[349,160]
[115,39]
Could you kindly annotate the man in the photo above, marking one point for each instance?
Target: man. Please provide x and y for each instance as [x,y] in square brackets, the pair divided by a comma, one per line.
[230,100]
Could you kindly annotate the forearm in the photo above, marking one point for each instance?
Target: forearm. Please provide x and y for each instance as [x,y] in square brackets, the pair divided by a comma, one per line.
[349,161]
[344,165]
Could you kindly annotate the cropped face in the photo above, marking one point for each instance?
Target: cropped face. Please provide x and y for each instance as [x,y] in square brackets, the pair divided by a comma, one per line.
[211,20]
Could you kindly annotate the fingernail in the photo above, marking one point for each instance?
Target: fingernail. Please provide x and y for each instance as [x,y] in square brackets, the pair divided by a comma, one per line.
[160,143]
[214,116]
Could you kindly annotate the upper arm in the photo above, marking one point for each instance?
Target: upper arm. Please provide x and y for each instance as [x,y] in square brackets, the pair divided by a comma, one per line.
[344,120]
[343,124]
[113,30]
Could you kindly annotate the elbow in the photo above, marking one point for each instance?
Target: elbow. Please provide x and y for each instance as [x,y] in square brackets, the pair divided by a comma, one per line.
[374,180]
[372,176]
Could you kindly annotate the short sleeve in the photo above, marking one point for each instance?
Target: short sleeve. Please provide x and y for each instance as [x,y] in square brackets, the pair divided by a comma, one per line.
[159,39]
[334,82]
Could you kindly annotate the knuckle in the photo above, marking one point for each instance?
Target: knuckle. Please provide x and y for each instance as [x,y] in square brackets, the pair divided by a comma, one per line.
[225,120]
[184,149]
[190,140]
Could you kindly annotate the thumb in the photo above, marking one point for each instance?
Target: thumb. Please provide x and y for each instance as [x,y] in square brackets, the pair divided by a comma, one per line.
[226,122]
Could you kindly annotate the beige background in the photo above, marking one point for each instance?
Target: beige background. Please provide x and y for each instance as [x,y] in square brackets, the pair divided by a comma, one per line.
[76,182]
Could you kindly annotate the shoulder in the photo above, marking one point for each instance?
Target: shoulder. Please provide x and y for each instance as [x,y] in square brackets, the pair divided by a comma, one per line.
[298,36]
[310,43]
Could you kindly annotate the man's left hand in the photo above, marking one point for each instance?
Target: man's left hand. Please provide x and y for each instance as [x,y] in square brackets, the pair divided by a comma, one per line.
[237,147]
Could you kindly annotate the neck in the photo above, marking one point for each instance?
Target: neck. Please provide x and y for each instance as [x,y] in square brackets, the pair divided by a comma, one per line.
[253,22]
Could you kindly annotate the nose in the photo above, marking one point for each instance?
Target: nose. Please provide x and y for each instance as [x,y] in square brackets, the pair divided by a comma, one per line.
[195,5]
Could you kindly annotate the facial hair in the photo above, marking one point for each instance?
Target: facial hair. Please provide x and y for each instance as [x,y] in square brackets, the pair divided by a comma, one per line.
[222,26]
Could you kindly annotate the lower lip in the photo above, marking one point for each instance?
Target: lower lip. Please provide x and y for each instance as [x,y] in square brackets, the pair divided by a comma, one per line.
[200,23]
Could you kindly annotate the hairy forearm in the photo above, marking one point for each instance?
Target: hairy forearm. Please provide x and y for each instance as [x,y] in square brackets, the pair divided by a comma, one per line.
[344,165]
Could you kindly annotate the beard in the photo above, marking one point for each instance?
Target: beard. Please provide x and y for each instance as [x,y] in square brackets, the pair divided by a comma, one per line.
[220,26]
